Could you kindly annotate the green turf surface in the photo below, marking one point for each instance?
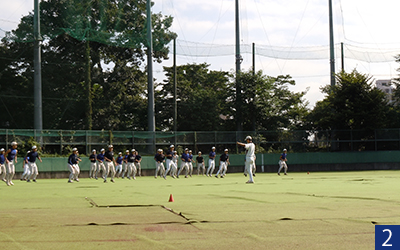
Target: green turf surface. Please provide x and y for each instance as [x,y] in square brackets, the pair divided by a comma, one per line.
[299,211]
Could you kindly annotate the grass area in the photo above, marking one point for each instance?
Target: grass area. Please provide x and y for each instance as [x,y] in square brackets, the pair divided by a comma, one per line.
[334,210]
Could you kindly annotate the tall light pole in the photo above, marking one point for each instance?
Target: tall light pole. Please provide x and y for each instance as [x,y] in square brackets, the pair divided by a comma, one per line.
[150,83]
[37,78]
[238,58]
[331,45]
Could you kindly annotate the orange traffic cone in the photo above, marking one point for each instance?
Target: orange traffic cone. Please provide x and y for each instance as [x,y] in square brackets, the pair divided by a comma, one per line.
[171,199]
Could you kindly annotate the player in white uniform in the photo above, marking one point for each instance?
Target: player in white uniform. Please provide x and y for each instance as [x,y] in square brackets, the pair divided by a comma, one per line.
[250,157]
[138,160]
[190,163]
[109,162]
[10,167]
[211,162]
[159,158]
[169,155]
[2,165]
[93,165]
[282,162]
[27,171]
[223,164]
[174,166]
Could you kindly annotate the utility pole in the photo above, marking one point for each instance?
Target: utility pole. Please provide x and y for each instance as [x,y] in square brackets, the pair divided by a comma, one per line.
[150,83]
[175,91]
[342,50]
[239,115]
[37,78]
[331,45]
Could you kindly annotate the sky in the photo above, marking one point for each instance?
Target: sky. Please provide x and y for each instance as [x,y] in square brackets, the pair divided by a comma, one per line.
[295,24]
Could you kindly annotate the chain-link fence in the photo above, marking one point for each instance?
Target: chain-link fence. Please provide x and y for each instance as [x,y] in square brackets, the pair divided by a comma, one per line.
[60,142]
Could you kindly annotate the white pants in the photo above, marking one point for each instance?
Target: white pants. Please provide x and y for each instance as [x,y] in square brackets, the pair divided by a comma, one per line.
[2,172]
[10,169]
[131,170]
[33,170]
[118,169]
[125,170]
[282,164]
[223,166]
[100,167]
[109,167]
[190,166]
[74,169]
[93,169]
[138,168]
[168,164]
[249,167]
[202,167]
[174,168]
[211,166]
[184,165]
[159,169]
[26,172]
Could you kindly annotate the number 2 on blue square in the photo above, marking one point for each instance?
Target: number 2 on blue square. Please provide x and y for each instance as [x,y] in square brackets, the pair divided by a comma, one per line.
[387,237]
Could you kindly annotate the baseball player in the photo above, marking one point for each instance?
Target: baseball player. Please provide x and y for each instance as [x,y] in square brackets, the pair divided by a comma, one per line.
[109,162]
[169,162]
[125,164]
[93,165]
[138,159]
[223,164]
[282,162]
[10,167]
[250,157]
[185,163]
[27,171]
[200,164]
[131,165]
[211,162]
[2,165]
[73,160]
[118,168]
[31,159]
[190,164]
[100,162]
[174,166]
[159,158]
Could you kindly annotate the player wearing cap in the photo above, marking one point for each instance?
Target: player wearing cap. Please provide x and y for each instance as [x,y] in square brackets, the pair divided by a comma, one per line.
[131,165]
[73,160]
[250,156]
[200,164]
[100,163]
[174,166]
[2,165]
[10,167]
[282,162]
[190,164]
[27,171]
[223,164]
[211,162]
[31,159]
[125,164]
[118,168]
[93,165]
[138,159]
[109,162]
[185,163]
[159,158]
[169,162]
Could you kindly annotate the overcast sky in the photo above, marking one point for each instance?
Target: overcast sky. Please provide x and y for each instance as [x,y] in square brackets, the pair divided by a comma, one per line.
[288,23]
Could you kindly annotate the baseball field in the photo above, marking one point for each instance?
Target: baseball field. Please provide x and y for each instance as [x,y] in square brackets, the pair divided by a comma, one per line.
[336,210]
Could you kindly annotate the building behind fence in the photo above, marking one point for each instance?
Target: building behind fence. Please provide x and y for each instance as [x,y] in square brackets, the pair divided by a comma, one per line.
[60,142]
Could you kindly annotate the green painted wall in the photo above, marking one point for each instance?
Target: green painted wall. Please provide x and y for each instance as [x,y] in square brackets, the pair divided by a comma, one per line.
[53,164]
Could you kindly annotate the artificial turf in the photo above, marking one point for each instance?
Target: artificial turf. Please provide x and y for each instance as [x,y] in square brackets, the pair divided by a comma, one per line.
[336,210]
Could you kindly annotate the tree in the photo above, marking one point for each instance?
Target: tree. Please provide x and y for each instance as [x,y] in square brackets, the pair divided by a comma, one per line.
[113,35]
[351,104]
[202,95]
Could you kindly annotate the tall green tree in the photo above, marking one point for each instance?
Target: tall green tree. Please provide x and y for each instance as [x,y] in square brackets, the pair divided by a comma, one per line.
[353,103]
[203,99]
[115,31]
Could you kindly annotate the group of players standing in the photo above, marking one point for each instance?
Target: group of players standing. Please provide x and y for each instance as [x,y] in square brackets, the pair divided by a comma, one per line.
[9,158]
[104,162]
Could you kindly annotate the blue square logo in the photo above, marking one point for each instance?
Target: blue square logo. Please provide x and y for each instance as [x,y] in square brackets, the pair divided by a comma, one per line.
[387,237]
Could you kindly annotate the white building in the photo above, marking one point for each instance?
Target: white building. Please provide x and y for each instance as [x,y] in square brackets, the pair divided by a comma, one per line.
[386,87]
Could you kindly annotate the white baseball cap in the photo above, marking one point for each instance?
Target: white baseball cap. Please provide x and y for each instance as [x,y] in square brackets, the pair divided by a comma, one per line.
[199,152]
[34,147]
[213,148]
[248,138]
[110,146]
[94,150]
[159,150]
[186,149]
[172,146]
[74,149]
[284,150]
[1,149]
[14,143]
[127,151]
[190,151]
[226,150]
[102,150]
[120,153]
[133,150]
